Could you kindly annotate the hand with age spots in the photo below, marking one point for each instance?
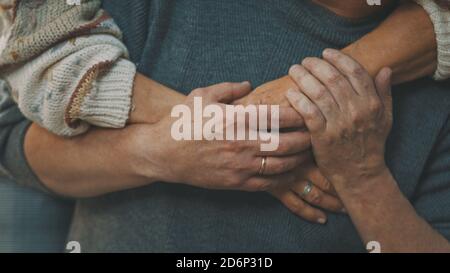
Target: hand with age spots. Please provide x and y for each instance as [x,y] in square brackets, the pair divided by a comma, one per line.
[348,115]
[322,198]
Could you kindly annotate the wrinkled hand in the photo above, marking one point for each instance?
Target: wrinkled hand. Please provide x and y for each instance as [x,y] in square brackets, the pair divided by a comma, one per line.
[271,93]
[348,115]
[291,194]
[307,206]
[220,164]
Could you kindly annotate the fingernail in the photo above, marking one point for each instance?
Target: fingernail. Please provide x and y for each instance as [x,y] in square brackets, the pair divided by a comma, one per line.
[388,72]
[245,83]
[328,52]
[295,67]
[322,221]
[306,61]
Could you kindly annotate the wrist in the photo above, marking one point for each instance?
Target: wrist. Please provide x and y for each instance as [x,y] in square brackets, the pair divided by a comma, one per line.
[139,98]
[139,152]
[362,189]
[358,51]
[151,101]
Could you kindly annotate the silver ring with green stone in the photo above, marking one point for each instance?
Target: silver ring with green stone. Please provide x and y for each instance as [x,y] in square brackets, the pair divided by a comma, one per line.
[307,189]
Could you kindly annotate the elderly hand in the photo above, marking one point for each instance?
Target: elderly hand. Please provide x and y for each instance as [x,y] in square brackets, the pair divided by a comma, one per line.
[214,163]
[310,190]
[348,115]
[271,93]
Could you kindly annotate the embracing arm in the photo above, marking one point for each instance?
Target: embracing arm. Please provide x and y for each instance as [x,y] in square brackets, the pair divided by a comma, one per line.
[104,161]
[98,162]
[101,160]
[405,41]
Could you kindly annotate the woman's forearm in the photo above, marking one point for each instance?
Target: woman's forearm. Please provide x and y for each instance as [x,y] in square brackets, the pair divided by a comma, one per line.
[152,100]
[95,163]
[381,213]
[405,42]
[101,160]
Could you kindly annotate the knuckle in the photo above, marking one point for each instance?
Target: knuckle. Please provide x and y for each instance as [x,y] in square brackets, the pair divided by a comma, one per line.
[316,197]
[239,166]
[328,140]
[357,72]
[356,117]
[345,134]
[235,182]
[357,120]
[334,78]
[327,107]
[261,186]
[375,106]
[283,147]
[281,166]
[232,147]
[320,93]
[311,112]
[297,208]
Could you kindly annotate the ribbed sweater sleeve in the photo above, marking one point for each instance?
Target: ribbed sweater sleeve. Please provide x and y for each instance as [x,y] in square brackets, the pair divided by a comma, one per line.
[441,21]
[75,65]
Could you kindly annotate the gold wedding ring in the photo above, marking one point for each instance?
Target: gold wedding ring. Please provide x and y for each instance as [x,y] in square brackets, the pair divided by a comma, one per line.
[263,165]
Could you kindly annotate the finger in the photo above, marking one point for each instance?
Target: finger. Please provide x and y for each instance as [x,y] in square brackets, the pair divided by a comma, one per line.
[289,118]
[266,183]
[340,88]
[297,206]
[313,117]
[286,117]
[278,165]
[383,87]
[315,90]
[321,181]
[318,198]
[288,143]
[357,75]
[228,92]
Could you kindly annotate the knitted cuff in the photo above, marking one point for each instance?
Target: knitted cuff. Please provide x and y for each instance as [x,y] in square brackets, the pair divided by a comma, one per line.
[108,101]
[441,21]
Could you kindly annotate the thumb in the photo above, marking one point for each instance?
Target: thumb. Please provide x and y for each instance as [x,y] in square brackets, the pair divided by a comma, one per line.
[383,83]
[228,92]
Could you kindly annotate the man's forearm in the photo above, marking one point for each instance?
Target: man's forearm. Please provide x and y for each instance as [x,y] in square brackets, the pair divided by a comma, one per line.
[381,213]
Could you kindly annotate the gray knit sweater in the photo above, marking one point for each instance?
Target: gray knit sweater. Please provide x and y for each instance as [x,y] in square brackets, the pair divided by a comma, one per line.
[186,44]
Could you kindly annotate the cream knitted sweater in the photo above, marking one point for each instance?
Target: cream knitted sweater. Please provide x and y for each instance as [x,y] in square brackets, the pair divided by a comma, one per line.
[67,67]
[441,21]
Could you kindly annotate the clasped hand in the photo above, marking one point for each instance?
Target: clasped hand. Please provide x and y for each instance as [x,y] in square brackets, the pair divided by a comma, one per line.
[338,120]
